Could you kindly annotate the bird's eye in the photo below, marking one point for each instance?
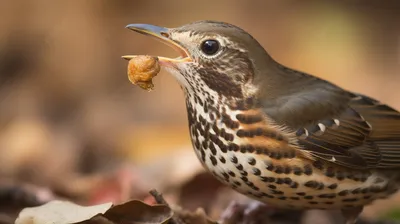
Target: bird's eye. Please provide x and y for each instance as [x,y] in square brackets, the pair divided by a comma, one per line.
[210,47]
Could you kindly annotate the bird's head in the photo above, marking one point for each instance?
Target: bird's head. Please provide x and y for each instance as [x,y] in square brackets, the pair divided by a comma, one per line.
[214,56]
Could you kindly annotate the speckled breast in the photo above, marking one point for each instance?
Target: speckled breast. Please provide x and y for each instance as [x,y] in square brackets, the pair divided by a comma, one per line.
[242,150]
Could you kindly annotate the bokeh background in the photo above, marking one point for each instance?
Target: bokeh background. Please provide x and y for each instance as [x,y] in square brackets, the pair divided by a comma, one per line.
[67,107]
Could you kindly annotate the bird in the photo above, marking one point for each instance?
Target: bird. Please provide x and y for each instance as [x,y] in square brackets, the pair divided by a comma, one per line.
[276,134]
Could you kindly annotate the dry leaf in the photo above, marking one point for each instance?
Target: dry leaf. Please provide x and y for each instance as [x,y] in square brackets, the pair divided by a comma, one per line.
[60,212]
[137,212]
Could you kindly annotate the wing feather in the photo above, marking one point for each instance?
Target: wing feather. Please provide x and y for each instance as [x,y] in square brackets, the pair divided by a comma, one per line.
[332,124]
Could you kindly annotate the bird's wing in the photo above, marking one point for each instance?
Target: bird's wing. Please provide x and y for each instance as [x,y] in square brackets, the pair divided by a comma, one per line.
[384,138]
[340,127]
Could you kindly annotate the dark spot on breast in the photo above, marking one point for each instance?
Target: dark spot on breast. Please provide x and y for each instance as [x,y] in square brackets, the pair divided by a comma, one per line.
[233,147]
[247,148]
[309,197]
[275,155]
[211,116]
[276,192]
[287,170]
[261,150]
[249,119]
[213,160]
[240,133]
[295,198]
[307,170]
[343,193]
[273,135]
[297,171]
[205,108]
[332,186]
[216,129]
[234,159]
[232,174]
[228,137]
[203,155]
[268,179]
[301,193]
[222,159]
[278,169]
[282,198]
[255,188]
[248,183]
[331,195]
[279,181]
[222,147]
[259,131]
[311,184]
[252,161]
[239,166]
[237,183]
[256,171]
[214,138]
[197,144]
[267,195]
[268,165]
[226,119]
[272,186]
[287,180]
[294,185]
[212,148]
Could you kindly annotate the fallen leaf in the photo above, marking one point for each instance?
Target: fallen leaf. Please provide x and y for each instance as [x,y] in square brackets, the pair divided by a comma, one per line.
[63,212]
[60,212]
[137,212]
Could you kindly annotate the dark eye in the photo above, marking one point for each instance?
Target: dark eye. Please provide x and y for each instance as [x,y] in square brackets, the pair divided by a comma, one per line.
[210,47]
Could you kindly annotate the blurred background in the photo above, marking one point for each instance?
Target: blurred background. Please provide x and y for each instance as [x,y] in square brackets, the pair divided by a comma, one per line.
[68,110]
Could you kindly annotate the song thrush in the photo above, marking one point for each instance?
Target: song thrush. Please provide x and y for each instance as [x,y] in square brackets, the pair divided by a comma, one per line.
[279,135]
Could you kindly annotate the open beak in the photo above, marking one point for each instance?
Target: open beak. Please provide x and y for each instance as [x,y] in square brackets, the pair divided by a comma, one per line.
[161,34]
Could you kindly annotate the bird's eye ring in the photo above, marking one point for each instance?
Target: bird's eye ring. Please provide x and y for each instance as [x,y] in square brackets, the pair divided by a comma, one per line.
[210,47]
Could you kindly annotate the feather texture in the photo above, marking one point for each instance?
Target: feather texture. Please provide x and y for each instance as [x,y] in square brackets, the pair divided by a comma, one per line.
[338,126]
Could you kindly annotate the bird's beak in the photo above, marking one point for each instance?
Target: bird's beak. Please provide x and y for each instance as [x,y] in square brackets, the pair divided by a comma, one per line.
[162,34]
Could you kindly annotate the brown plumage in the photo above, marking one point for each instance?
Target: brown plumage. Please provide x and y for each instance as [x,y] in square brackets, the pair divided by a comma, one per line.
[275,134]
